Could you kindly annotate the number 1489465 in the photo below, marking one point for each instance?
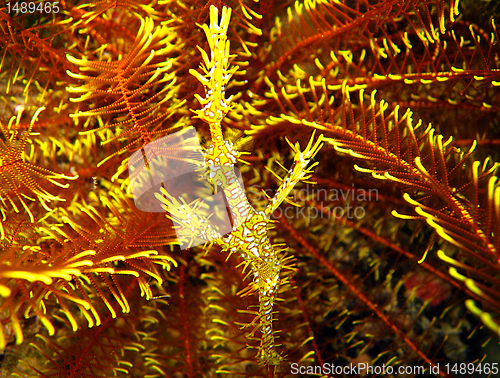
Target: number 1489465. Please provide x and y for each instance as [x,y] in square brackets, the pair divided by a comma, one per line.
[32,7]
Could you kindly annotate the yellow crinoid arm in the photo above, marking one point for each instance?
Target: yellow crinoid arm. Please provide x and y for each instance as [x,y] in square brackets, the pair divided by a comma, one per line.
[301,171]
[216,73]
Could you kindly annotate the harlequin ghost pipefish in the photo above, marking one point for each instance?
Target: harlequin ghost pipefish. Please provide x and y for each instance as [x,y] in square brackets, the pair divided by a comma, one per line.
[270,265]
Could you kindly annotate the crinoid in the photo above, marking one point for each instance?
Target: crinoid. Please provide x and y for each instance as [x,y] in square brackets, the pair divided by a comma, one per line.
[19,171]
[391,258]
